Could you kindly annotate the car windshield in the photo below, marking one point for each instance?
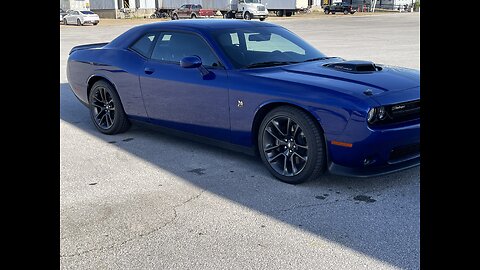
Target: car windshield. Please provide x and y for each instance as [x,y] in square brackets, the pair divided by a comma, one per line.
[87,12]
[264,46]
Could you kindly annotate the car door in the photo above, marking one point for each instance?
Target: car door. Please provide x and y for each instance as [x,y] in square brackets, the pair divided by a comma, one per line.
[182,11]
[186,99]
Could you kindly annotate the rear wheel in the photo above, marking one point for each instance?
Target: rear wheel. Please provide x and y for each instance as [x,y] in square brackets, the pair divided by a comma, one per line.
[247,16]
[65,21]
[175,17]
[326,11]
[291,145]
[194,16]
[288,13]
[79,23]
[262,19]
[345,12]
[95,23]
[106,110]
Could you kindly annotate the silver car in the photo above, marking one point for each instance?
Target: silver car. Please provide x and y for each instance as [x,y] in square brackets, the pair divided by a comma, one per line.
[81,17]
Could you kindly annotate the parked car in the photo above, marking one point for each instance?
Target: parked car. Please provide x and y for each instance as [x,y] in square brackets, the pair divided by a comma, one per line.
[255,87]
[62,13]
[339,7]
[192,11]
[81,17]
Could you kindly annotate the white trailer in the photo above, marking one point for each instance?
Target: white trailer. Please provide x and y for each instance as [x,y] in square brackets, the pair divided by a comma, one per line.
[238,9]
[285,7]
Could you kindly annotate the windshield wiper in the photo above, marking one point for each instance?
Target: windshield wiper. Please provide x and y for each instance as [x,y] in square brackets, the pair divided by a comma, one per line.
[320,58]
[269,64]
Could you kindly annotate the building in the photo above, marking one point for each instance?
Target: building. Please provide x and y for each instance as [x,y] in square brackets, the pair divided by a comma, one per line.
[75,4]
[119,9]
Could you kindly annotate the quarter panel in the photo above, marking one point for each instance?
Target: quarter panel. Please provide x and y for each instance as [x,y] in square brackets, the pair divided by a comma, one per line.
[120,67]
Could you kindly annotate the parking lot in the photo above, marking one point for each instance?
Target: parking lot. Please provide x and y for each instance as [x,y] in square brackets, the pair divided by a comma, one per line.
[147,200]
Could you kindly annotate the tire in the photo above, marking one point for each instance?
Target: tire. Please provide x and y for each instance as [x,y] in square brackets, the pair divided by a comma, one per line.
[302,157]
[288,14]
[106,110]
[95,23]
[193,16]
[79,23]
[326,11]
[333,12]
[280,13]
[262,19]
[345,12]
[64,21]
[247,16]
[174,17]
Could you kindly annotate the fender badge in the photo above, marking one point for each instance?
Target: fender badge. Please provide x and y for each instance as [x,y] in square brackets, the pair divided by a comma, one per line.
[239,103]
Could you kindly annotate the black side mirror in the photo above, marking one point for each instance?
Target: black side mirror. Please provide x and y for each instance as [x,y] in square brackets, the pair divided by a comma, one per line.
[191,62]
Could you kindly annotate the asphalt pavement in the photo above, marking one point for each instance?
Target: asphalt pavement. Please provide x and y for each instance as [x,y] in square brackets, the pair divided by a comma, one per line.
[147,200]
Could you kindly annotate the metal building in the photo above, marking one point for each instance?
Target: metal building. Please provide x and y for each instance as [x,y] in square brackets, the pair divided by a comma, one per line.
[118,9]
[75,4]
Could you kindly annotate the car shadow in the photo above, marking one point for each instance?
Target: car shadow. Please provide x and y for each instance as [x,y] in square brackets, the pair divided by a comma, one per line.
[376,216]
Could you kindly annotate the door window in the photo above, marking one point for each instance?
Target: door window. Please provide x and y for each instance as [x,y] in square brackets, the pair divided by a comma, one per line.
[173,46]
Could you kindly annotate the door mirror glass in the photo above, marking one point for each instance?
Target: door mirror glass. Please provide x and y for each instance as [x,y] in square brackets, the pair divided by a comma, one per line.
[191,62]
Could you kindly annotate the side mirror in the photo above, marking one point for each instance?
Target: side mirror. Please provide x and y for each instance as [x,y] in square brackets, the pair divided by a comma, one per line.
[191,62]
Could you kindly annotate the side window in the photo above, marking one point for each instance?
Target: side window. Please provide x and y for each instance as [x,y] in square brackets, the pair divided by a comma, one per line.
[143,45]
[173,46]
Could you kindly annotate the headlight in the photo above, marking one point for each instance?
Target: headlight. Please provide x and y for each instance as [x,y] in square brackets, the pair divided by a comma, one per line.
[371,115]
[381,113]
[375,114]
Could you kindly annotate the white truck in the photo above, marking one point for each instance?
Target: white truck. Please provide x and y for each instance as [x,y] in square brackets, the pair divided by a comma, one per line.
[230,9]
[285,7]
[246,9]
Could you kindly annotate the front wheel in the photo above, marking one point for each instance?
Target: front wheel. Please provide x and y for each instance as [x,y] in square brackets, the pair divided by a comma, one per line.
[262,19]
[175,17]
[194,16]
[291,145]
[64,21]
[95,23]
[326,11]
[79,23]
[106,110]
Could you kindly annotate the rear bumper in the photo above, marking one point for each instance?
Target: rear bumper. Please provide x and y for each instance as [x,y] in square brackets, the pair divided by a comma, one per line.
[91,21]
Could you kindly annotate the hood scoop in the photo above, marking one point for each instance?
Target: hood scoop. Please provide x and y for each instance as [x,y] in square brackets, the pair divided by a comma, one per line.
[354,66]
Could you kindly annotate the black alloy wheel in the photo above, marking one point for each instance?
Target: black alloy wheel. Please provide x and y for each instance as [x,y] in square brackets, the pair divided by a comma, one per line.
[291,145]
[106,110]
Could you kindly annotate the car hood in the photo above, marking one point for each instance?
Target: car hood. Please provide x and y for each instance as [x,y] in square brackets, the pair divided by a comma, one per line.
[381,83]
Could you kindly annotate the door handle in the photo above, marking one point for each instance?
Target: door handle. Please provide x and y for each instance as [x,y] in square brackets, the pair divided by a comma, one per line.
[149,70]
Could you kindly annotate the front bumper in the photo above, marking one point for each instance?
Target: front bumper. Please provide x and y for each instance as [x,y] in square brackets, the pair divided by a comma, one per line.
[373,171]
[374,151]
[260,15]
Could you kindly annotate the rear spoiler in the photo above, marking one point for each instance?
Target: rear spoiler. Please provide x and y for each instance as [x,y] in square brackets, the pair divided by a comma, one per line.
[87,46]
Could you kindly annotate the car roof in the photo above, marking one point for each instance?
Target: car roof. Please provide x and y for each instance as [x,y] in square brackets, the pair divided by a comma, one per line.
[197,25]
